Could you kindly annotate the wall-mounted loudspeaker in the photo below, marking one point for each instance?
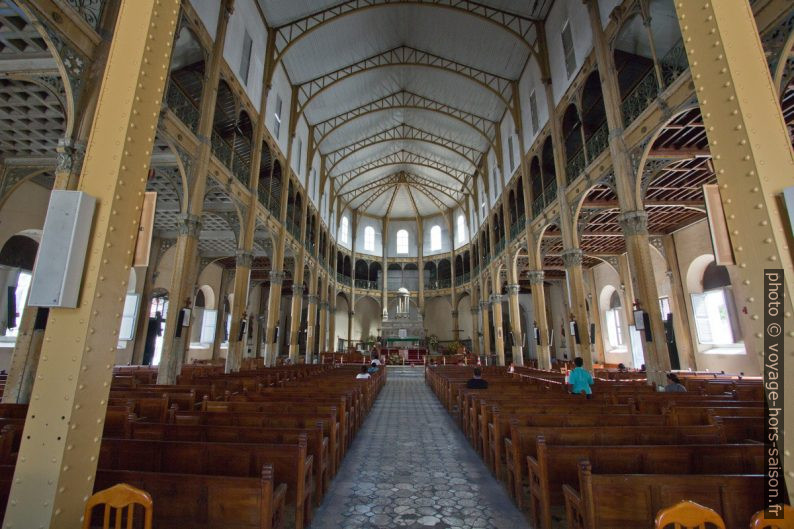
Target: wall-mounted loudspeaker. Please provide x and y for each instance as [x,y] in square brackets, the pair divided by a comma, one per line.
[58,272]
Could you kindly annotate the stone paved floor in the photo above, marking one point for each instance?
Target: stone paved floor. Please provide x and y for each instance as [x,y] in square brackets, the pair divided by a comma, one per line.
[411,467]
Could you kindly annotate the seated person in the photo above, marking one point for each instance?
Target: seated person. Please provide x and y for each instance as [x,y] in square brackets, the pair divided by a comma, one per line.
[622,368]
[363,375]
[674,385]
[477,382]
[512,368]
[580,379]
[373,368]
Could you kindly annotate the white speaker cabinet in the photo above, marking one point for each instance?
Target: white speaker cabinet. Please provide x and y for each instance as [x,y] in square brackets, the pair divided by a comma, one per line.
[58,271]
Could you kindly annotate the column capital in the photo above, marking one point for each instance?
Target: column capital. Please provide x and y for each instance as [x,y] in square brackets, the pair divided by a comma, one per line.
[495,299]
[189,225]
[484,305]
[244,258]
[536,277]
[276,277]
[634,222]
[454,314]
[475,310]
[311,299]
[572,257]
[297,290]
[513,289]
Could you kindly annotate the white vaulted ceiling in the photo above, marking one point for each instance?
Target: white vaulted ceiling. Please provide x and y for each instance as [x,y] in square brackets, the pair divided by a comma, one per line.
[405,95]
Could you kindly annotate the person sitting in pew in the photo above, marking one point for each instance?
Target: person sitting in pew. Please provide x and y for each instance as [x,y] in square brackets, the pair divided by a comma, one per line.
[622,368]
[580,379]
[477,382]
[675,385]
[373,368]
[364,374]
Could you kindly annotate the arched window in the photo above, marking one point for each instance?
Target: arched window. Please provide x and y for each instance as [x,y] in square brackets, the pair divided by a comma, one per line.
[402,241]
[343,230]
[435,238]
[369,239]
[713,308]
[461,228]
[614,327]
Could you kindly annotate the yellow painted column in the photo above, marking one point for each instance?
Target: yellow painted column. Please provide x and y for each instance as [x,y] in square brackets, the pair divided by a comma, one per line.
[220,322]
[681,328]
[515,323]
[541,322]
[242,279]
[496,309]
[24,359]
[486,328]
[311,320]
[57,459]
[332,326]
[577,302]
[752,154]
[475,326]
[273,313]
[186,249]
[595,317]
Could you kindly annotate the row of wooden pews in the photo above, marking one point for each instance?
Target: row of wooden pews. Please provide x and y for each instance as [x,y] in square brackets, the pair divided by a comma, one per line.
[255,449]
[615,460]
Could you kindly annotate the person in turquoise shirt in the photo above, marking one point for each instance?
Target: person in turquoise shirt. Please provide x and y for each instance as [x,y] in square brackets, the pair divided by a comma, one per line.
[580,379]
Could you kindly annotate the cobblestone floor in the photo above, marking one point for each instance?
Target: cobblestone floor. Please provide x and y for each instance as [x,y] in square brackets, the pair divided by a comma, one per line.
[411,467]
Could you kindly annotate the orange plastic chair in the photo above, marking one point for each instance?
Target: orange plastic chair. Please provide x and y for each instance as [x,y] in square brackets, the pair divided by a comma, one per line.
[760,522]
[119,497]
[688,514]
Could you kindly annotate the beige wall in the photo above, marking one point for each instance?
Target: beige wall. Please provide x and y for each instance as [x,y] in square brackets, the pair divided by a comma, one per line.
[438,317]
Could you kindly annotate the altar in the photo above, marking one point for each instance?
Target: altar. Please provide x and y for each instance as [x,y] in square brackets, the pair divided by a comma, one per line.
[403,332]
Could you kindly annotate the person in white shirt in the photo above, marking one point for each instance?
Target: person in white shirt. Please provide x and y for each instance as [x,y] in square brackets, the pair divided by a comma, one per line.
[363,374]
[375,361]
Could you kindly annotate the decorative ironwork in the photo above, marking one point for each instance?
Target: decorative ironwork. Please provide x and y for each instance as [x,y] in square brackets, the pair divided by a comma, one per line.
[575,166]
[90,10]
[500,246]
[643,94]
[463,279]
[181,105]
[598,142]
[241,170]
[365,284]
[674,63]
[550,194]
[517,227]
[343,279]
[220,149]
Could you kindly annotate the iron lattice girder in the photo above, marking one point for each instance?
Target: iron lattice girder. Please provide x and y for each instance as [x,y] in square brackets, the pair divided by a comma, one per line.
[417,180]
[288,34]
[402,157]
[374,196]
[405,99]
[375,184]
[402,132]
[501,87]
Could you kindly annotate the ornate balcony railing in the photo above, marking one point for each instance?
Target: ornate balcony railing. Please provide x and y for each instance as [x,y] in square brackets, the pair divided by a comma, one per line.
[575,166]
[486,259]
[475,271]
[90,10]
[366,284]
[643,94]
[180,104]
[674,63]
[550,194]
[598,142]
[463,279]
[221,149]
[241,170]
[438,284]
[294,229]
[500,245]
[343,279]
[517,227]
[538,205]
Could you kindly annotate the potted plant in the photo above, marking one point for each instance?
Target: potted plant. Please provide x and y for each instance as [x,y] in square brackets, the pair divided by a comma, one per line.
[432,342]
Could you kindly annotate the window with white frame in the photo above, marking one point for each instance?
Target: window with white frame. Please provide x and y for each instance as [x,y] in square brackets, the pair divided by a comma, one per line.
[510,154]
[712,318]
[614,324]
[533,111]
[129,317]
[461,228]
[435,238]
[343,230]
[664,306]
[245,60]
[369,239]
[402,241]
[208,323]
[277,117]
[568,49]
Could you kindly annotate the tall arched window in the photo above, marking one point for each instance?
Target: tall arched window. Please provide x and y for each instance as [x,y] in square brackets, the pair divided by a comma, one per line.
[435,238]
[369,239]
[461,228]
[343,230]
[402,241]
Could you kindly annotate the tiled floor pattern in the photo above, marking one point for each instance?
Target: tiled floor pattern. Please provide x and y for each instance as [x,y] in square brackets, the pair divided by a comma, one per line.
[410,467]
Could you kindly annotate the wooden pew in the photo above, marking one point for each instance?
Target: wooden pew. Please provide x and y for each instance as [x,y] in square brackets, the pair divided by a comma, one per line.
[618,501]
[317,442]
[523,443]
[291,464]
[558,465]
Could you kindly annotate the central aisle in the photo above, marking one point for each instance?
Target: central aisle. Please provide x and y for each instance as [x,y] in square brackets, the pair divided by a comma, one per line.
[411,467]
